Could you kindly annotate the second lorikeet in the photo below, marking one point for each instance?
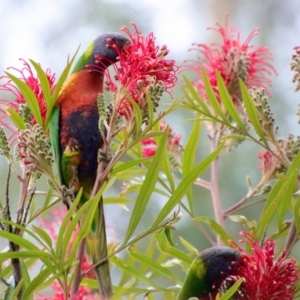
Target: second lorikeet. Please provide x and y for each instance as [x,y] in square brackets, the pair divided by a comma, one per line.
[207,272]
[76,139]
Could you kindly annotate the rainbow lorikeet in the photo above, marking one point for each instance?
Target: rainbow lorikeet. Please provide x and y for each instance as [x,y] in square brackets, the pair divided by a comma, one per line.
[207,272]
[76,139]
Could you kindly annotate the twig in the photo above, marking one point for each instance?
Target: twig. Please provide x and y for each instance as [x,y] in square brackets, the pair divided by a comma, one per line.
[16,266]
[77,277]
[22,198]
[291,238]
[216,200]
[27,208]
[7,207]
[203,183]
[240,203]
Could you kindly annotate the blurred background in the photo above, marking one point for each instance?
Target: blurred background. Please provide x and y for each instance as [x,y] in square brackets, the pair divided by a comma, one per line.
[48,31]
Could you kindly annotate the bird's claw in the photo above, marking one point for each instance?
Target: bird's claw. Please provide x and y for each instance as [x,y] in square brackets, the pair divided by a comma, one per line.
[67,196]
[104,157]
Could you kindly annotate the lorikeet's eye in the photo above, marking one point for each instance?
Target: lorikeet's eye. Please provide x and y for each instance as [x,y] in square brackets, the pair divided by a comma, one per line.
[225,257]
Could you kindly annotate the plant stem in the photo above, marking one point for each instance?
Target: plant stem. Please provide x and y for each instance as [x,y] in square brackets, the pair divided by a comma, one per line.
[215,194]
[291,238]
[77,277]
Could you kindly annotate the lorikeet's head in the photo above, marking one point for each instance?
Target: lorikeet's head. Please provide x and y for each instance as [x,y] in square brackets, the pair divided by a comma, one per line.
[207,272]
[102,52]
[219,262]
[104,45]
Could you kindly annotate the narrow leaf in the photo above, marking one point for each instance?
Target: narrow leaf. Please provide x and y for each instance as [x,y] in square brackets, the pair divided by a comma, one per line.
[277,194]
[189,156]
[147,187]
[29,97]
[211,97]
[252,112]
[133,272]
[34,284]
[185,185]
[154,266]
[196,96]
[228,103]
[16,118]
[43,235]
[230,293]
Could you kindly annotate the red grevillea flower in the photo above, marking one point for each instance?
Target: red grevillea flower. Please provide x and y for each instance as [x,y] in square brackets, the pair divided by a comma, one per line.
[233,59]
[264,276]
[52,227]
[149,145]
[142,66]
[269,163]
[28,76]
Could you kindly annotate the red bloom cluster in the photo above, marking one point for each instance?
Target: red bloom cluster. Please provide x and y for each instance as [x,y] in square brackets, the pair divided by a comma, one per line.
[264,277]
[27,75]
[140,62]
[233,59]
[174,146]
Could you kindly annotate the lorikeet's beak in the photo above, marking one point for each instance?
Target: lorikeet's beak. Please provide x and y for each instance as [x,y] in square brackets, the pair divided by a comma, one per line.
[122,44]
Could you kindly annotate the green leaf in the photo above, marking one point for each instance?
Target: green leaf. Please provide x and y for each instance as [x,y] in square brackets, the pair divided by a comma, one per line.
[296,211]
[43,235]
[8,270]
[64,225]
[165,247]
[137,187]
[29,97]
[44,82]
[189,156]
[196,96]
[228,295]
[166,169]
[185,185]
[117,200]
[17,240]
[34,284]
[133,272]
[228,103]
[167,232]
[277,194]
[150,107]
[252,112]
[127,165]
[9,293]
[189,246]
[120,291]
[16,118]
[87,210]
[25,276]
[211,97]
[154,266]
[26,254]
[147,187]
[18,288]
[285,203]
[137,114]
[62,79]
[243,220]
[216,228]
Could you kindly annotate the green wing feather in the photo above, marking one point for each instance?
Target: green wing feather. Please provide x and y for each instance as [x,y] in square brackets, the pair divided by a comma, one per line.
[54,138]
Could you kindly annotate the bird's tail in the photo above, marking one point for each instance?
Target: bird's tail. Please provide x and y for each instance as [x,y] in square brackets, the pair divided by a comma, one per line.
[96,248]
